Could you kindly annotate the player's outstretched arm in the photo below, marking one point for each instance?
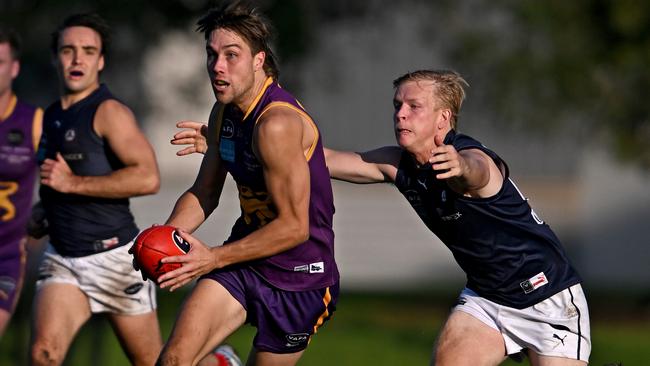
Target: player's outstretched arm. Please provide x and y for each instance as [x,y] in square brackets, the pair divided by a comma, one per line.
[198,202]
[379,165]
[194,135]
[115,123]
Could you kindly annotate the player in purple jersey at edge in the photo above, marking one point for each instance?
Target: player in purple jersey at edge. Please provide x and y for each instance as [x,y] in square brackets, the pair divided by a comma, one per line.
[94,158]
[20,131]
[276,271]
[522,295]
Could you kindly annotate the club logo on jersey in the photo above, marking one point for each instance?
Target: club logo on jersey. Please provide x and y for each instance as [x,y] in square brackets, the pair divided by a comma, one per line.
[70,135]
[443,196]
[228,129]
[15,137]
[413,197]
[534,283]
[57,123]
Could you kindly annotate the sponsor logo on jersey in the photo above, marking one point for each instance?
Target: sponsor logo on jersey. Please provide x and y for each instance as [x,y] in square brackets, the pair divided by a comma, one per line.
[452,217]
[73,156]
[318,267]
[423,183]
[534,283]
[303,268]
[227,150]
[15,137]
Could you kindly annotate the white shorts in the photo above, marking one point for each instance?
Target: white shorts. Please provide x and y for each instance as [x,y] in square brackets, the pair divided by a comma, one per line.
[557,326]
[107,279]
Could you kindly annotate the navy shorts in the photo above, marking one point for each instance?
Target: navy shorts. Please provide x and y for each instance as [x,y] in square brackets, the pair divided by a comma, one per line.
[285,320]
[12,271]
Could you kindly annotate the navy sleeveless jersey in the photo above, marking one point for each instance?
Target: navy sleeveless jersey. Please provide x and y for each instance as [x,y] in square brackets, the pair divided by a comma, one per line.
[17,171]
[509,255]
[309,265]
[83,225]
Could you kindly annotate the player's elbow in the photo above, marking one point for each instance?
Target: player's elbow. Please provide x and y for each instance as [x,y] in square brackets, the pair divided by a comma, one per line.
[298,230]
[150,184]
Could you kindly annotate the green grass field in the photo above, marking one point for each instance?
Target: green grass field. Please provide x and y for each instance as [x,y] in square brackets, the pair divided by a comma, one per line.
[367,329]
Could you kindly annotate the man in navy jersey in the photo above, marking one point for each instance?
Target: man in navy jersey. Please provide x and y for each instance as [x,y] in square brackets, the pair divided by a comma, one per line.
[93,159]
[276,271]
[20,131]
[522,294]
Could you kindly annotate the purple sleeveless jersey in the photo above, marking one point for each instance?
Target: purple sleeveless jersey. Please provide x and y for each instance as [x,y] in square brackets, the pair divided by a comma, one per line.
[311,264]
[17,172]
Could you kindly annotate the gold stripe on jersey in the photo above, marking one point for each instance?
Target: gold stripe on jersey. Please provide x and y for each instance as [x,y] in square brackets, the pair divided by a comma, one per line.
[267,83]
[37,127]
[312,147]
[10,107]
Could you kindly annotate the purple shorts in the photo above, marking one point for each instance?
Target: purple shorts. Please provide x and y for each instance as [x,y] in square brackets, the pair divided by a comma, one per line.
[285,320]
[12,271]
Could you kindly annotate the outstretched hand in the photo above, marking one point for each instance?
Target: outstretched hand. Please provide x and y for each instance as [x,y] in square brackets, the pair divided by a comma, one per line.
[446,159]
[197,262]
[194,134]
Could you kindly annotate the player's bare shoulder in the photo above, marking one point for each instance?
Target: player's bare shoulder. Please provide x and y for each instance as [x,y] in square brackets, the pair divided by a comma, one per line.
[112,114]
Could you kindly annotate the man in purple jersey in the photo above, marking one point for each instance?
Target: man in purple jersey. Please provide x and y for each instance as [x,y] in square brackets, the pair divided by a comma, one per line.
[20,131]
[277,269]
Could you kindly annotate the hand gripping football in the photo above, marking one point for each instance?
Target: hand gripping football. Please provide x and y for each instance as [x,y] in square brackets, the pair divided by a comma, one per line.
[154,244]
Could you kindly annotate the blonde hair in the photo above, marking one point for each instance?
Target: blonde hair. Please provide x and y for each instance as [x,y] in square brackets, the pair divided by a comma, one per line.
[449,88]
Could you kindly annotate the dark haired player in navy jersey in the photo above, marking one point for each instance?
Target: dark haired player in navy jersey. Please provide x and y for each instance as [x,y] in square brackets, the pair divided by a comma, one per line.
[94,157]
[277,269]
[20,131]
[522,294]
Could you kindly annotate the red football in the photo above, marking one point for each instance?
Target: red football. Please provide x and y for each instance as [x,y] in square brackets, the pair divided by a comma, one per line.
[154,244]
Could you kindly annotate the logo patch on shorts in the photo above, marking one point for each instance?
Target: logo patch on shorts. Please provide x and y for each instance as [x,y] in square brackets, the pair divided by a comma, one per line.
[534,283]
[297,339]
[133,289]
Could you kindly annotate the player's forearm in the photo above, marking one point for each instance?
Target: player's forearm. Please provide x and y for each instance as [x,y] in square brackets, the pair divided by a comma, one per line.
[127,182]
[350,167]
[276,237]
[476,172]
[187,213]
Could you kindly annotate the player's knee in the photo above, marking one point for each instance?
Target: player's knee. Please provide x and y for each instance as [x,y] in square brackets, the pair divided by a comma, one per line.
[44,353]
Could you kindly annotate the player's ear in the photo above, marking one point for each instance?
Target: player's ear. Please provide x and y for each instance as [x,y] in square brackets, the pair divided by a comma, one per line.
[101,62]
[258,60]
[444,119]
[15,69]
